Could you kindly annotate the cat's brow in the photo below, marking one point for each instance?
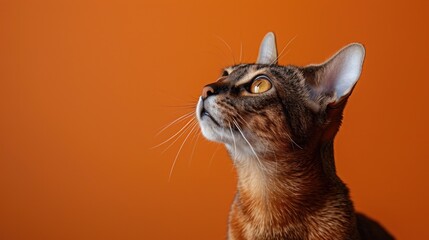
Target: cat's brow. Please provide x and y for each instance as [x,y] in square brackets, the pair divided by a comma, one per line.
[229,69]
[249,76]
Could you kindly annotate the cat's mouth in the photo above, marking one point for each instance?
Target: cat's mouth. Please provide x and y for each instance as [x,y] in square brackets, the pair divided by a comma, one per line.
[204,113]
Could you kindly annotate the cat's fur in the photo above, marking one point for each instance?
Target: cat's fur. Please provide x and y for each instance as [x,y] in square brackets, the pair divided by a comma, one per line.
[281,143]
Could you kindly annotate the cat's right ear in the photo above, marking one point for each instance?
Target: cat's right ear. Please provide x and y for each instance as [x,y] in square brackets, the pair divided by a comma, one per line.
[268,50]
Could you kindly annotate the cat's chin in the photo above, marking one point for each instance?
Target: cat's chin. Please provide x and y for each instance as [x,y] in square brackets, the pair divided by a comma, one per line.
[237,148]
[212,132]
[215,132]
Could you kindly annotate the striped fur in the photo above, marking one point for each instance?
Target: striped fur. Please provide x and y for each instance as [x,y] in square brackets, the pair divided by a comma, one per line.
[281,143]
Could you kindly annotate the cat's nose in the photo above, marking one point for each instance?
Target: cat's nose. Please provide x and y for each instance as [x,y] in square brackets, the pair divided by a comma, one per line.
[208,91]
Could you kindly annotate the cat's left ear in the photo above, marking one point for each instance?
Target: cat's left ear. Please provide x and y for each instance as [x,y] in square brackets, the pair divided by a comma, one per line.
[268,50]
[332,82]
[336,78]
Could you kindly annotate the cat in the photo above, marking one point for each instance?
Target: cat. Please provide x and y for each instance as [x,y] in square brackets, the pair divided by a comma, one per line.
[278,124]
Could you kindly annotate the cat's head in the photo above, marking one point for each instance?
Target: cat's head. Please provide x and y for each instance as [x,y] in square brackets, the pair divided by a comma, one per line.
[264,108]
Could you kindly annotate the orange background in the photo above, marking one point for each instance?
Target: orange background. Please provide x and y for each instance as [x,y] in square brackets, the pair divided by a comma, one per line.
[86,85]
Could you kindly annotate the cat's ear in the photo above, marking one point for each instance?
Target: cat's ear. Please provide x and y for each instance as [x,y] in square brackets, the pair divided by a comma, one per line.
[338,75]
[332,82]
[268,50]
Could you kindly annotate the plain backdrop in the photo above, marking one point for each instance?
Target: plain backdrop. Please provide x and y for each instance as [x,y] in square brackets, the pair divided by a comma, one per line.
[85,86]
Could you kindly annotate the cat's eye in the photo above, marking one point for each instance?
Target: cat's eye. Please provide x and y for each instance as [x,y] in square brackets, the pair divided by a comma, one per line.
[260,85]
[225,73]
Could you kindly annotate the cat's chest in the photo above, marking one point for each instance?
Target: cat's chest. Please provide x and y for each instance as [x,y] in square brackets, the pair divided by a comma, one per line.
[249,220]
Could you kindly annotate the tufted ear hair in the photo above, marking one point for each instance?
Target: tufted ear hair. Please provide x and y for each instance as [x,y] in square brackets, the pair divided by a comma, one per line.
[268,50]
[336,78]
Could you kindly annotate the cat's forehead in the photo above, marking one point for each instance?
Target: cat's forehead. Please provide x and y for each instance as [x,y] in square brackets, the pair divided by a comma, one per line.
[243,68]
[242,73]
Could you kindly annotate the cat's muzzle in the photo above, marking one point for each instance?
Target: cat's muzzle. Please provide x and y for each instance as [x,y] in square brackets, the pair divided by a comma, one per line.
[202,112]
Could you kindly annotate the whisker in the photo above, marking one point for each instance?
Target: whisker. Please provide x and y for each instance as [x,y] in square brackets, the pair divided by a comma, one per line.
[284,54]
[290,138]
[177,138]
[250,145]
[192,105]
[189,122]
[187,115]
[229,47]
[233,139]
[180,149]
[197,133]
[214,153]
[244,121]
[287,44]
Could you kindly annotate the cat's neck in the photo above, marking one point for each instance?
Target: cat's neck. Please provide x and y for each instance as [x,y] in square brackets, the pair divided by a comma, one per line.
[310,170]
[288,191]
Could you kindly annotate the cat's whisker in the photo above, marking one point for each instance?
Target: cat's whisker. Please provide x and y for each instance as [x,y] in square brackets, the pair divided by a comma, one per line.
[285,53]
[197,133]
[244,121]
[178,137]
[233,139]
[212,157]
[178,132]
[284,48]
[290,138]
[182,106]
[180,149]
[187,115]
[228,46]
[250,145]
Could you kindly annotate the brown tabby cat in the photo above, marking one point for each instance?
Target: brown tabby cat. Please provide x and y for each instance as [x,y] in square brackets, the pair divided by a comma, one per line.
[278,124]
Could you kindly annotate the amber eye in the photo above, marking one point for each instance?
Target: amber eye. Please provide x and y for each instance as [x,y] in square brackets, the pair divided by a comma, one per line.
[260,85]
